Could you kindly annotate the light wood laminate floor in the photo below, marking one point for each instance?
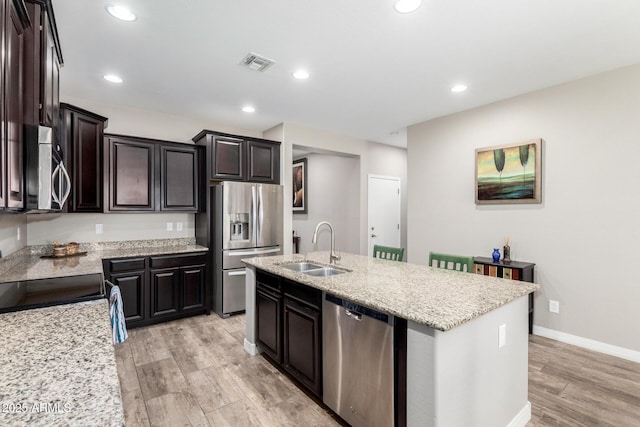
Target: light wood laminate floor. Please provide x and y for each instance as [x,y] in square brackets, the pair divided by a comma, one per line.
[195,372]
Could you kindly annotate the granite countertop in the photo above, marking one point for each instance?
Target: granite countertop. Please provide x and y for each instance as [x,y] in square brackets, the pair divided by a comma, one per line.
[59,368]
[27,264]
[440,299]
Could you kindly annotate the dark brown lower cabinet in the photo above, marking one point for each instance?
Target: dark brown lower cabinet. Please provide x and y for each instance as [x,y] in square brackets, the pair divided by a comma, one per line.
[289,328]
[164,292]
[302,350]
[159,288]
[193,288]
[133,290]
[269,321]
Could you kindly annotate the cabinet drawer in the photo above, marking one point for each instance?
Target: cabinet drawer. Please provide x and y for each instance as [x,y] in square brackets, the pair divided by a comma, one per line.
[269,280]
[303,293]
[177,260]
[128,264]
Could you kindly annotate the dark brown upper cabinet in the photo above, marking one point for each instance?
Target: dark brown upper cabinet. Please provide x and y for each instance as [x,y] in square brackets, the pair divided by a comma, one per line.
[263,163]
[82,134]
[146,175]
[179,177]
[43,60]
[132,175]
[238,158]
[15,23]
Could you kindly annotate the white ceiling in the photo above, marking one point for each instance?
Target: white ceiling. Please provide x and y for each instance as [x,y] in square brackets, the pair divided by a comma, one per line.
[373,71]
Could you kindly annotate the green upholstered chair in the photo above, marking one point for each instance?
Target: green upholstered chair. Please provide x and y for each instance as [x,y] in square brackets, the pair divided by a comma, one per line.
[388,252]
[451,262]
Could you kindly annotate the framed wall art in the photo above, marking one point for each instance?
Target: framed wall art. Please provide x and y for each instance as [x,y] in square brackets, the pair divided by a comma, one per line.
[509,173]
[300,186]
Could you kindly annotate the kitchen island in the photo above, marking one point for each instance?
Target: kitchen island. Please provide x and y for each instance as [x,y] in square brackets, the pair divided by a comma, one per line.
[467,340]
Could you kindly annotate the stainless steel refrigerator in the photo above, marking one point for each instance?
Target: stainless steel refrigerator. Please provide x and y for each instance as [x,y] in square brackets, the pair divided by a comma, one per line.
[242,220]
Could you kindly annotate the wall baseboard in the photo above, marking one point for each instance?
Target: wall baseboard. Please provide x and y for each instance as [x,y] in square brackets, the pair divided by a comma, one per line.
[251,348]
[621,352]
[522,418]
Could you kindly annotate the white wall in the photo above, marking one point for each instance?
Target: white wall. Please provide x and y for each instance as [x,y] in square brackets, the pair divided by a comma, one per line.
[374,159]
[333,194]
[45,228]
[584,235]
[9,224]
[151,124]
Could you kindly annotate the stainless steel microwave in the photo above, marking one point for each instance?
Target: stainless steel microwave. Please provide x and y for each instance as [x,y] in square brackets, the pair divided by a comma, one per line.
[47,181]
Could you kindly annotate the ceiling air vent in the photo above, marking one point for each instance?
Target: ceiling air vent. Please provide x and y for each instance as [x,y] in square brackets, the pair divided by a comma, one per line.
[257,62]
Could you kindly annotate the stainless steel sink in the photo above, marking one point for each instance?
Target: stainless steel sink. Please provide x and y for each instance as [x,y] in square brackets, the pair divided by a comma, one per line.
[301,266]
[324,272]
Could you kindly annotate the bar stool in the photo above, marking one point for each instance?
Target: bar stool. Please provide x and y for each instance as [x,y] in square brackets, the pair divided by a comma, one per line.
[451,262]
[388,252]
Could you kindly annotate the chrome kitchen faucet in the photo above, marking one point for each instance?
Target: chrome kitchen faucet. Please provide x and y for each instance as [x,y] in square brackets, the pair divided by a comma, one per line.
[333,256]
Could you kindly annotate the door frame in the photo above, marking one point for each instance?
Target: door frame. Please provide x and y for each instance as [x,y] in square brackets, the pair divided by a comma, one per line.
[369,207]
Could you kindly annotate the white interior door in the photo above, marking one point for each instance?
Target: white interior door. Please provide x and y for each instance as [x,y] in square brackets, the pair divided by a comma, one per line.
[384,211]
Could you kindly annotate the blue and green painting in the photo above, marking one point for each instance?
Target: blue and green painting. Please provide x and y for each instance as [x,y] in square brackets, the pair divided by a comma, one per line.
[507,173]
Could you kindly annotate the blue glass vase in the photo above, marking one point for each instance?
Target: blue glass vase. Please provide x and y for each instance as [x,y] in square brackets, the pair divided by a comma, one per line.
[496,255]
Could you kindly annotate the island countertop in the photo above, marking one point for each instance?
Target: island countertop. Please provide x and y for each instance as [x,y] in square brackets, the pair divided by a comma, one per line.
[59,368]
[440,299]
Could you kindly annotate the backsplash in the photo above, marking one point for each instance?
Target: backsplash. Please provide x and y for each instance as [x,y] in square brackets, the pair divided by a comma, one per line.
[9,225]
[43,229]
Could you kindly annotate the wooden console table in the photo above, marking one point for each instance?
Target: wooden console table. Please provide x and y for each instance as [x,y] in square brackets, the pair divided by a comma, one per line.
[514,270]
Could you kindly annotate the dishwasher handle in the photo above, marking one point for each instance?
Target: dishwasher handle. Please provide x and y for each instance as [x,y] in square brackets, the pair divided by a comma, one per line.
[356,311]
[354,316]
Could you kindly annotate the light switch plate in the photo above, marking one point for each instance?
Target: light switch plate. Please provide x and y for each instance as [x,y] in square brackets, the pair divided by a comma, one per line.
[178,226]
[18,236]
[99,229]
[169,226]
[554,306]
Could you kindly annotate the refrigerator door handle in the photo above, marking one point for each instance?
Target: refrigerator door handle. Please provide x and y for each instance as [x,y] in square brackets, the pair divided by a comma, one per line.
[238,273]
[254,218]
[254,252]
[260,213]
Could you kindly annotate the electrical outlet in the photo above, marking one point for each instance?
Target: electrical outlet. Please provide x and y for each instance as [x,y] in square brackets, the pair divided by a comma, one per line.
[502,335]
[169,226]
[18,234]
[178,226]
[554,306]
[99,229]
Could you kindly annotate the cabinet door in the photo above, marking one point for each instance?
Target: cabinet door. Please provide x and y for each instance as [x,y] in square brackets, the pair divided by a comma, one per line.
[13,112]
[269,324]
[165,294]
[85,136]
[179,178]
[263,162]
[133,289]
[131,175]
[193,291]
[50,71]
[226,158]
[302,351]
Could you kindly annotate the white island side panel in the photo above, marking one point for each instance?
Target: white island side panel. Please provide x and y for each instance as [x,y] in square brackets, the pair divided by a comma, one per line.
[460,377]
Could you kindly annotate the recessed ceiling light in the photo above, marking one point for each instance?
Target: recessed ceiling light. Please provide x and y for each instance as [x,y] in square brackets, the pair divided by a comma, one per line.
[248,109]
[121,12]
[301,75]
[458,88]
[112,78]
[406,6]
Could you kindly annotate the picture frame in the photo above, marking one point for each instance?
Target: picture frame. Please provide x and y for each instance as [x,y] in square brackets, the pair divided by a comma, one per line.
[300,193]
[509,173]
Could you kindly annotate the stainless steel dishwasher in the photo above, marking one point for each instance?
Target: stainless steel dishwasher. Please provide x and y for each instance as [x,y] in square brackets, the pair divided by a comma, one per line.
[357,362]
